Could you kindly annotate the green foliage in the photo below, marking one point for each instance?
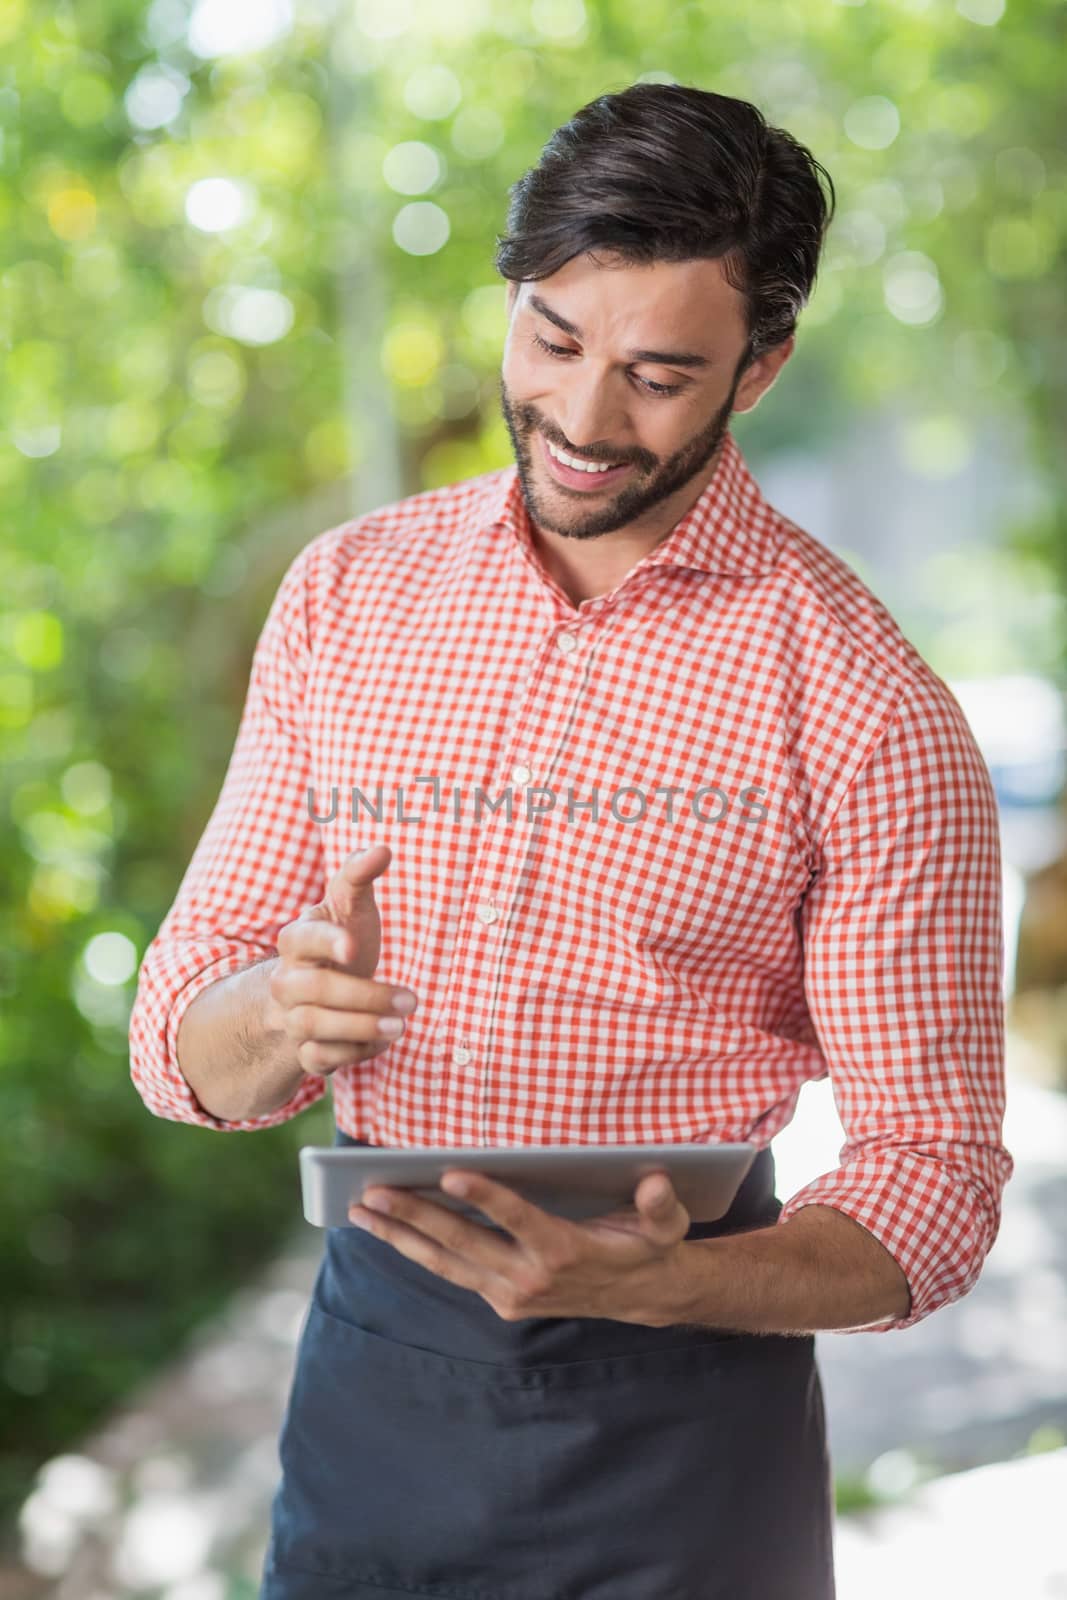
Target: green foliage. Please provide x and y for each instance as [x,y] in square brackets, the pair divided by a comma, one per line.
[182,402]
[1044,1438]
[120,1234]
[854,1493]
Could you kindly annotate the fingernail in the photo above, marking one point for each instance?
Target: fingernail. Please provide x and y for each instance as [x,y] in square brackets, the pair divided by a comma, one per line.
[405,1002]
[392,1027]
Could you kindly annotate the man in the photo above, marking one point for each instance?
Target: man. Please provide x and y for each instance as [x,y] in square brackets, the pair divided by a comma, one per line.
[752,842]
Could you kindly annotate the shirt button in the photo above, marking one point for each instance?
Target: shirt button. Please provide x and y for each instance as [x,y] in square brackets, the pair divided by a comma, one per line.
[488,913]
[521,774]
[461,1055]
[566,642]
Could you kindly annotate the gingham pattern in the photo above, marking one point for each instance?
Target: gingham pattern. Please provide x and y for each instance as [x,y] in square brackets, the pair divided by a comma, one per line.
[648,972]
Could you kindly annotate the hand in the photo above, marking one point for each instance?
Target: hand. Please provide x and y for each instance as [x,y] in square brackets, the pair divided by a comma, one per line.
[321,988]
[627,1265]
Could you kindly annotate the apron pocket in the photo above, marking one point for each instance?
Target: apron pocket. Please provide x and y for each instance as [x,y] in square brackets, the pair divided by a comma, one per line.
[696,1473]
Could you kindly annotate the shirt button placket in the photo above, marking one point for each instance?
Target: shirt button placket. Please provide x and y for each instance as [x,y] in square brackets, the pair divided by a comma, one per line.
[488,912]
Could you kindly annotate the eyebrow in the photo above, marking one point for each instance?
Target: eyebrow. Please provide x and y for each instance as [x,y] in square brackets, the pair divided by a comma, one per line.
[670,358]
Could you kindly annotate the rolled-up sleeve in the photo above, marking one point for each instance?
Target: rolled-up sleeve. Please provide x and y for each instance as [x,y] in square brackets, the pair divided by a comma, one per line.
[257,864]
[903,972]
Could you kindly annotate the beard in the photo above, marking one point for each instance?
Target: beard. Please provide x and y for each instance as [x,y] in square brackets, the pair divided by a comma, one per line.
[650,483]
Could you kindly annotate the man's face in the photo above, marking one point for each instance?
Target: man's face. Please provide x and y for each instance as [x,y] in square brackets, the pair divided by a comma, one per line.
[663,419]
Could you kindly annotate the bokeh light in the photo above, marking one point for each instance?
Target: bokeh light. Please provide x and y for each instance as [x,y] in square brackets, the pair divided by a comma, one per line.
[421,228]
[912,288]
[412,167]
[872,123]
[155,96]
[252,316]
[215,204]
[432,92]
[234,27]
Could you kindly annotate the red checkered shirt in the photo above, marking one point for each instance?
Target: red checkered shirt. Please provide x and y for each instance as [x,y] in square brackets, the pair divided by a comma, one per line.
[658,859]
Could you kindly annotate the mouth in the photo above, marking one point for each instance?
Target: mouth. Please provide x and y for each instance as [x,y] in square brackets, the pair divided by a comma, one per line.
[575,478]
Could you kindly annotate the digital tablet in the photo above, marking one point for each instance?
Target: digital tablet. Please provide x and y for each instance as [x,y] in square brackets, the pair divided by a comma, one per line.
[576,1181]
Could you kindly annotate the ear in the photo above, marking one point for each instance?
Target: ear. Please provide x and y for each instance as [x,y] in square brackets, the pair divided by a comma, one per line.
[762,374]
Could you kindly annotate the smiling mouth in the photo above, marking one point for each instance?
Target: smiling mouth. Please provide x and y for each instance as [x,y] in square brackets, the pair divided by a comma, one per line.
[582,477]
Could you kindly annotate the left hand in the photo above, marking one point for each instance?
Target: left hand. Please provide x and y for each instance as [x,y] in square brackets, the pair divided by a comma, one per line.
[626,1265]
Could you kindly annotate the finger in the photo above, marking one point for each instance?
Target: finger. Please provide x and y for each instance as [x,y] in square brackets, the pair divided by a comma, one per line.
[459,1234]
[339,991]
[421,1239]
[320,1025]
[536,1229]
[360,866]
[352,885]
[314,938]
[326,1058]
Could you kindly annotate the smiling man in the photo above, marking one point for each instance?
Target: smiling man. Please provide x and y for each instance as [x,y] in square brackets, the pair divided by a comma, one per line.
[602,636]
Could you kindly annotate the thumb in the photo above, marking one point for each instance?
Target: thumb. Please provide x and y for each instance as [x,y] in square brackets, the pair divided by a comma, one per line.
[658,1201]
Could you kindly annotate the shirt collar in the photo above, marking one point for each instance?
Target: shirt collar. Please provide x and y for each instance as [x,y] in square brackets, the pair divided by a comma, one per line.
[730,530]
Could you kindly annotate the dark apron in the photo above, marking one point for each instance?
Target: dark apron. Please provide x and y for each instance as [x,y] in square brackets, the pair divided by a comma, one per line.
[431,1448]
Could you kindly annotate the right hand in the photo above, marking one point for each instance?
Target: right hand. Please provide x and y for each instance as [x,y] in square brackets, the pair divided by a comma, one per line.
[321,989]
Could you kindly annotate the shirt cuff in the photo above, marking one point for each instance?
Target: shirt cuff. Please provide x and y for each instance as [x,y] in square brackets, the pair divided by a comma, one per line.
[171,1095]
[936,1223]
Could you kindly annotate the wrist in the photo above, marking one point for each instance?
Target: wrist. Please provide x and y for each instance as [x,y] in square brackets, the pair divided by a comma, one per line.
[667,1296]
[685,1287]
[817,1270]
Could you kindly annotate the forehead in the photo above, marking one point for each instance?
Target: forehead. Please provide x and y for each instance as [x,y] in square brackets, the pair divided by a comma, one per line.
[656,303]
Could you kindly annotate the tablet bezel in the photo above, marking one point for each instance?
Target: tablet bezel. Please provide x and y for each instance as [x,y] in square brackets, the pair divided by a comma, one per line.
[577,1182]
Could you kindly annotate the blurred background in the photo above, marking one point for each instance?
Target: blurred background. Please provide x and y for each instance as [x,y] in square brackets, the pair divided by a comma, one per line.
[246,293]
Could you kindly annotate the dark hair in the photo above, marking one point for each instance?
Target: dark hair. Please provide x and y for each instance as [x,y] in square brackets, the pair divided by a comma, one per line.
[663,172]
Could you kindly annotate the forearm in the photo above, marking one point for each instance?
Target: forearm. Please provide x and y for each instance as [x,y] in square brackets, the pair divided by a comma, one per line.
[235,1064]
[818,1270]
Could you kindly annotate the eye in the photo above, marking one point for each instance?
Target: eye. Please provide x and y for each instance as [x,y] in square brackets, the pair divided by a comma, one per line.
[556,349]
[560,350]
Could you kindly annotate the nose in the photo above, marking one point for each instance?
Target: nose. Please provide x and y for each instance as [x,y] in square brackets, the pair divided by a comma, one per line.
[589,416]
